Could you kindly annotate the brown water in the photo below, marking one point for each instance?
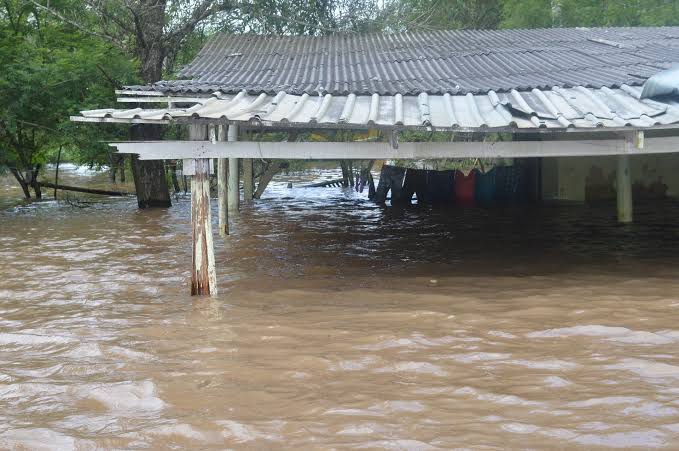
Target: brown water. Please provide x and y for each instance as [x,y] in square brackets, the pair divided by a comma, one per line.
[340,325]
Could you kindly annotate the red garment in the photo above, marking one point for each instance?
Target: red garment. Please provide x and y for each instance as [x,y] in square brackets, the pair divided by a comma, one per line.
[465,186]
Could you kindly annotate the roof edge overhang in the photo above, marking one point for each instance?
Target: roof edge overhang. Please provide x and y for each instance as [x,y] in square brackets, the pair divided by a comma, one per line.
[293,126]
[555,109]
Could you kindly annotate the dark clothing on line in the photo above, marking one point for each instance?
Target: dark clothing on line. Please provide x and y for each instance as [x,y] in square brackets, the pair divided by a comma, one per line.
[391,178]
[441,187]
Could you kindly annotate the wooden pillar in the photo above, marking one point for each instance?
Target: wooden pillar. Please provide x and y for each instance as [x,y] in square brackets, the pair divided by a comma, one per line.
[624,190]
[248,180]
[222,188]
[203,273]
[233,185]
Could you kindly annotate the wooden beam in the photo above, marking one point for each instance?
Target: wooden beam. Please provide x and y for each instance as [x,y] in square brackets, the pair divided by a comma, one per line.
[222,190]
[151,150]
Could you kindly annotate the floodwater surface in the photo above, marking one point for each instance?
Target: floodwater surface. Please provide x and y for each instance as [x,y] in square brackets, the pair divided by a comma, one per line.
[340,324]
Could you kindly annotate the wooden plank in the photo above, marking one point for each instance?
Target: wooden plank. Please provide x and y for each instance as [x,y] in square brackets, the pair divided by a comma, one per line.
[151,150]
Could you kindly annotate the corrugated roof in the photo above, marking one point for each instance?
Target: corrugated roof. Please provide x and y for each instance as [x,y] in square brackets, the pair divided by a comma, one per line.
[433,62]
[556,108]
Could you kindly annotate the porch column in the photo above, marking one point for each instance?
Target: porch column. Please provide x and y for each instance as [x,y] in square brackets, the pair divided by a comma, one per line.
[222,189]
[248,181]
[233,185]
[624,177]
[203,273]
[624,190]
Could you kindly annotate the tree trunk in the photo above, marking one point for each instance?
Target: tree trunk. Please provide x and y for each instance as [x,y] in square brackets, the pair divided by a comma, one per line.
[34,182]
[273,169]
[22,182]
[345,173]
[350,167]
[149,176]
[121,164]
[248,182]
[112,172]
[173,174]
[56,174]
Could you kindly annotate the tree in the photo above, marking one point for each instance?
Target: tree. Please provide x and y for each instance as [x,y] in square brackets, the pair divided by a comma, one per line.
[411,15]
[153,31]
[49,71]
[529,13]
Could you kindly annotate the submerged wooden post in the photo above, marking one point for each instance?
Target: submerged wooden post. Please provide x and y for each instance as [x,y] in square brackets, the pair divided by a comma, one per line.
[222,188]
[248,181]
[233,185]
[203,273]
[624,179]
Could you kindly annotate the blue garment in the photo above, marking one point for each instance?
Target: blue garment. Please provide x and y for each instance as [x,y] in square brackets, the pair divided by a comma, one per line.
[485,187]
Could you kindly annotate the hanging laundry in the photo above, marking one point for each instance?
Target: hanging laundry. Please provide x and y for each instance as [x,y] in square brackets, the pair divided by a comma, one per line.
[485,187]
[440,187]
[391,178]
[415,183]
[465,187]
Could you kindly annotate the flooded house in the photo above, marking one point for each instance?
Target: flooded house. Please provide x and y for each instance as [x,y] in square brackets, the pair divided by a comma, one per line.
[586,114]
[511,305]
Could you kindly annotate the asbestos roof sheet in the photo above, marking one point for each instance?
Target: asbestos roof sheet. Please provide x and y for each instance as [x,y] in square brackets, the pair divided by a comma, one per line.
[433,62]
[556,108]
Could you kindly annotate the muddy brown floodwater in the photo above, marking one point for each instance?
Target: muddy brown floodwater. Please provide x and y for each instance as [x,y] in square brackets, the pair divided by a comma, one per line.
[339,325]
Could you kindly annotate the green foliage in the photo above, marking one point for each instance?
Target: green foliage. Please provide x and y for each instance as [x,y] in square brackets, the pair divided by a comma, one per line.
[589,13]
[619,12]
[49,72]
[527,14]
[409,15]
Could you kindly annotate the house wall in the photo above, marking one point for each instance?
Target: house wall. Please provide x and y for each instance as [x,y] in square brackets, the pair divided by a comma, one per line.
[593,178]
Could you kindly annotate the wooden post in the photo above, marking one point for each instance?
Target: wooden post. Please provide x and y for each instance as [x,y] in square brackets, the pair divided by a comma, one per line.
[248,181]
[233,185]
[222,188]
[203,273]
[624,180]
